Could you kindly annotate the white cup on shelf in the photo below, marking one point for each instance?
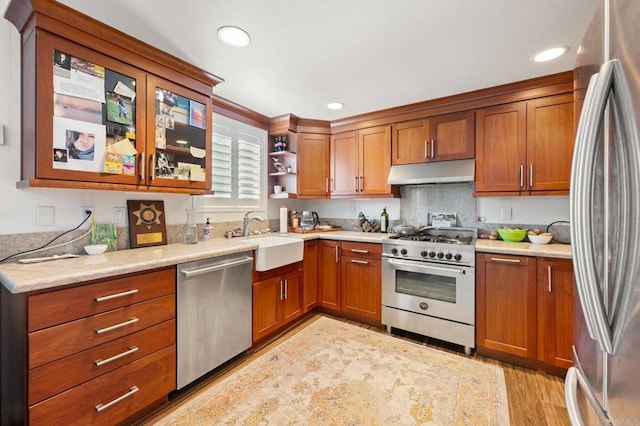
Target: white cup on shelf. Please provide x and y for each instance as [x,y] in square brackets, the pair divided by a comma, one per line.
[277,189]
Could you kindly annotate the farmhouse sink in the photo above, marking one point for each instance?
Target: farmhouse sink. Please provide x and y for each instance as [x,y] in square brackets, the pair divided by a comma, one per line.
[274,252]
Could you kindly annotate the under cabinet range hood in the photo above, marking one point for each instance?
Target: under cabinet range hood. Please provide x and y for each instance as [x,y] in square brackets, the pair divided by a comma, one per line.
[436,172]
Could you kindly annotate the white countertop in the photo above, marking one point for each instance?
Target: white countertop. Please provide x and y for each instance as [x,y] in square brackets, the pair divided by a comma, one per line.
[561,251]
[21,278]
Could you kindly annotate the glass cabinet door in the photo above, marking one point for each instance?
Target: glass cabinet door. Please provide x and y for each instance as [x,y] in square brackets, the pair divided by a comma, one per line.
[89,126]
[179,125]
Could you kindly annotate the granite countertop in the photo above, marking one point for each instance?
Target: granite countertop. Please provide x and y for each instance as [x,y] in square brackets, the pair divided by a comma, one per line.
[21,278]
[561,251]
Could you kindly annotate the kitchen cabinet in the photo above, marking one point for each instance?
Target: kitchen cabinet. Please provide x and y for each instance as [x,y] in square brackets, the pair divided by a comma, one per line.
[350,279]
[313,165]
[277,299]
[93,111]
[310,274]
[506,308]
[117,336]
[329,275]
[360,162]
[524,309]
[555,299]
[361,280]
[439,138]
[525,148]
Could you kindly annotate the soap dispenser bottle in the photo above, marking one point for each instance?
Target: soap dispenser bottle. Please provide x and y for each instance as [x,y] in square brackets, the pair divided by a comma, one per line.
[206,230]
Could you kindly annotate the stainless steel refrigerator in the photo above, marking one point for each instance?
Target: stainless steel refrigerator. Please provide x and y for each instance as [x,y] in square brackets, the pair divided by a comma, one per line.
[603,387]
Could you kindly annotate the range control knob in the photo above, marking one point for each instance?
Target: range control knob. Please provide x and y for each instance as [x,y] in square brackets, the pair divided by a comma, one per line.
[394,251]
[432,253]
[440,255]
[423,253]
[448,256]
[457,257]
[403,252]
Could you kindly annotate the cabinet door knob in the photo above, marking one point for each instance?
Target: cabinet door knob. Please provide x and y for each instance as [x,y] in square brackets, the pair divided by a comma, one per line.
[549,278]
[433,148]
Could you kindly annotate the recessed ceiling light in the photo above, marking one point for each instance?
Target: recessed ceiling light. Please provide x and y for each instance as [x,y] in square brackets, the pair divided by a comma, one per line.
[335,105]
[549,54]
[233,36]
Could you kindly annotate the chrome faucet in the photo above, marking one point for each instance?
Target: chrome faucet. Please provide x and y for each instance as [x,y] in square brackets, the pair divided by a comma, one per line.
[247,220]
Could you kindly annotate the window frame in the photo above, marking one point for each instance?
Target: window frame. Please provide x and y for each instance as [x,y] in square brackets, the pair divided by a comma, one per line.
[209,203]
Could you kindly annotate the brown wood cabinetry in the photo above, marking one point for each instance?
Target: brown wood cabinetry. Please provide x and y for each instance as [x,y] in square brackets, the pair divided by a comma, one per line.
[118,338]
[277,299]
[361,280]
[555,301]
[350,279]
[329,275]
[506,309]
[310,274]
[439,138]
[360,162]
[81,77]
[524,309]
[313,165]
[525,147]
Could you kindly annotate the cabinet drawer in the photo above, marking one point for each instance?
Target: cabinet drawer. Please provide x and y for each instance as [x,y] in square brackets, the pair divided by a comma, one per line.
[153,376]
[361,250]
[66,339]
[61,306]
[58,376]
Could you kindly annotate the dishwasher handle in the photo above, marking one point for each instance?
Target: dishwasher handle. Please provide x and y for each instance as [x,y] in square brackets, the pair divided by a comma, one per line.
[216,267]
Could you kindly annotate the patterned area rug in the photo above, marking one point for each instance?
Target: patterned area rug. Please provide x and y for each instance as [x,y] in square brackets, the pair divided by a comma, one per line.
[333,373]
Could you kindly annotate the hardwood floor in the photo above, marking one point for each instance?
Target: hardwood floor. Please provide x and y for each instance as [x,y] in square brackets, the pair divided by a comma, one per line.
[535,398]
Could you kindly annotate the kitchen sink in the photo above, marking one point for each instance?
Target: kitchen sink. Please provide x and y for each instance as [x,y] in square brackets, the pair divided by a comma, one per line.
[274,252]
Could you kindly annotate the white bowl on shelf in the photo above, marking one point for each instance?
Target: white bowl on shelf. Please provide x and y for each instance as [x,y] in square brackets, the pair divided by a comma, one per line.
[540,239]
[96,248]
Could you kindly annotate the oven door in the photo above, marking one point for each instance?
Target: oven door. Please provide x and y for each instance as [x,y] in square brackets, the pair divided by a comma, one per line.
[443,291]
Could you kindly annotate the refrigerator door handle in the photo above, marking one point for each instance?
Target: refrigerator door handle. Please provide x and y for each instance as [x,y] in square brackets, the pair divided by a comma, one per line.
[606,322]
[581,191]
[572,380]
[627,150]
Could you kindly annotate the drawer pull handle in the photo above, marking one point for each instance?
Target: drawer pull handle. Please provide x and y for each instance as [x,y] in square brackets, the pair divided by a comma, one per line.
[132,390]
[362,262]
[116,326]
[360,251]
[499,259]
[116,295]
[101,362]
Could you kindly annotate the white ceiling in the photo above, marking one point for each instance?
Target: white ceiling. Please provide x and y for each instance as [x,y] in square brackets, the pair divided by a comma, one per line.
[369,54]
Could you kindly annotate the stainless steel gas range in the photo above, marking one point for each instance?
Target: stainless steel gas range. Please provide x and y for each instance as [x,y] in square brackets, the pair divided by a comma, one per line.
[428,284]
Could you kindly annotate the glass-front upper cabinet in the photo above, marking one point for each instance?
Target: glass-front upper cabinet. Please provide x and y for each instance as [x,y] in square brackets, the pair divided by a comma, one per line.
[89,128]
[179,123]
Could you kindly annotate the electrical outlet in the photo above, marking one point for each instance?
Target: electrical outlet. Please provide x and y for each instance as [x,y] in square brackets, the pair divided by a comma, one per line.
[46,216]
[83,214]
[506,213]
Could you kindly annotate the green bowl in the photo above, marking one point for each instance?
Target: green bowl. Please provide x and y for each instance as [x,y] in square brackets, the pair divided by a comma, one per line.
[512,235]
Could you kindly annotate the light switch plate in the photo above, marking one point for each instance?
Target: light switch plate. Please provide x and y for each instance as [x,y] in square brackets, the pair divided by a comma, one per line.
[119,216]
[506,213]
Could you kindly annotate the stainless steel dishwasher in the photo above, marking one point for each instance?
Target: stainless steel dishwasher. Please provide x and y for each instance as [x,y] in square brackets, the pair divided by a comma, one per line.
[214,313]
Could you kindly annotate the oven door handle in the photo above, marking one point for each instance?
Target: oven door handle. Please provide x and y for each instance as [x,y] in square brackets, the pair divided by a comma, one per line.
[413,267]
